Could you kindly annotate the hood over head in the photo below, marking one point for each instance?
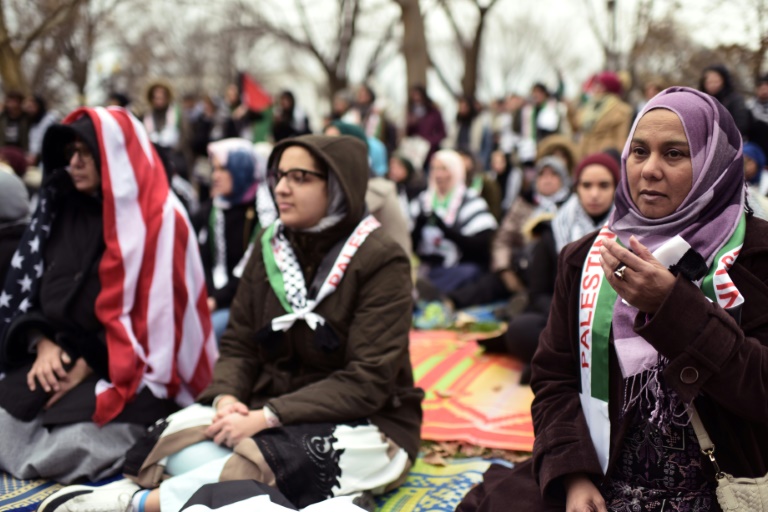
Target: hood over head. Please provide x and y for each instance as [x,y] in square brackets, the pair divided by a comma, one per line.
[721,70]
[346,159]
[60,135]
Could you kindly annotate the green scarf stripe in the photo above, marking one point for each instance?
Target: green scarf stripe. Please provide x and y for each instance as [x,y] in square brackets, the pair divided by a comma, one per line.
[708,285]
[441,203]
[273,273]
[601,331]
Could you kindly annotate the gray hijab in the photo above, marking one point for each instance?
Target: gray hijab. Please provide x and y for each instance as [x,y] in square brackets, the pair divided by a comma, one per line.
[14,201]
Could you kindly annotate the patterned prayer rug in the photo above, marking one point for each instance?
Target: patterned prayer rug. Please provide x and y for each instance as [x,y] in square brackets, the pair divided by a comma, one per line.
[471,397]
[434,488]
[23,495]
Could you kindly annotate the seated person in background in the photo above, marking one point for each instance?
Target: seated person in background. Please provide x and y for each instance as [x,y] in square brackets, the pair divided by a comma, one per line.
[408,181]
[452,227]
[14,217]
[227,223]
[509,259]
[313,393]
[92,342]
[508,177]
[586,211]
[757,178]
[550,190]
[483,183]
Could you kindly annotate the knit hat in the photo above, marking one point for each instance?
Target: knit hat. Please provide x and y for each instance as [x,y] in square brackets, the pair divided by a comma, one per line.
[14,157]
[610,81]
[557,165]
[352,130]
[603,159]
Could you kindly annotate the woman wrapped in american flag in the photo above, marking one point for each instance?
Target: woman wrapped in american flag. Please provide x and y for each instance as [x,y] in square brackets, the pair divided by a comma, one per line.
[104,326]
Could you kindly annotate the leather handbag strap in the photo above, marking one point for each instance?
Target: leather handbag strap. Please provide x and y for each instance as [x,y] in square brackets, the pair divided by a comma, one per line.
[705,442]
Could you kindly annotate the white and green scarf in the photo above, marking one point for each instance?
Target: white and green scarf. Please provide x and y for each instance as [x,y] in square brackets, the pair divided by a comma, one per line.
[596,308]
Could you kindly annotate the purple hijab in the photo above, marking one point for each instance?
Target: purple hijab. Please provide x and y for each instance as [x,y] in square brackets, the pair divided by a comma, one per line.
[710,213]
[706,219]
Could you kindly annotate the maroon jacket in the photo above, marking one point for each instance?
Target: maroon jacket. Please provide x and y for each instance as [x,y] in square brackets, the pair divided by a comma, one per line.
[722,364]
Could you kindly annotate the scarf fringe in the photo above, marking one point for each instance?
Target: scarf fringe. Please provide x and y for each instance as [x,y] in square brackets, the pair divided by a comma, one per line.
[656,402]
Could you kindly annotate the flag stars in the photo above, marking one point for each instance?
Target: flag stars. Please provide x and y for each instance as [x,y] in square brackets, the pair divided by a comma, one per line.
[17,260]
[34,244]
[5,299]
[39,269]
[24,306]
[26,283]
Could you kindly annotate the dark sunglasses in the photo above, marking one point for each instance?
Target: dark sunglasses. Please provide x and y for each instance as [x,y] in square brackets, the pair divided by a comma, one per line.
[82,151]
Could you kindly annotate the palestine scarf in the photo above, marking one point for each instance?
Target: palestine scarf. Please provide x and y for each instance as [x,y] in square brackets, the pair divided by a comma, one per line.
[287,279]
[152,302]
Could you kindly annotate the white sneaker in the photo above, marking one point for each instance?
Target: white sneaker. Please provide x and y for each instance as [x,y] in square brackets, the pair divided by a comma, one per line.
[114,497]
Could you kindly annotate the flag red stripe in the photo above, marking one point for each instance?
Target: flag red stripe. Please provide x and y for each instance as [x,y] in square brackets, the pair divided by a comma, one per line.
[204,370]
[180,295]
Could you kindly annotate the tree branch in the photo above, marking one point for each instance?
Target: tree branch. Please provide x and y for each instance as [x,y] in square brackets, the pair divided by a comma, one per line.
[348,29]
[375,59]
[454,24]
[592,19]
[442,77]
[309,44]
[47,24]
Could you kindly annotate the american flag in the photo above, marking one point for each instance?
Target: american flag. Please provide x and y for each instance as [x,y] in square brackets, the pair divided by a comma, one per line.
[153,296]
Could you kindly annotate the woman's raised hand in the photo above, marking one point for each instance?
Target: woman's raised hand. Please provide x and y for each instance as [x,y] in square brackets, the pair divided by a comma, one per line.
[582,495]
[645,282]
[48,368]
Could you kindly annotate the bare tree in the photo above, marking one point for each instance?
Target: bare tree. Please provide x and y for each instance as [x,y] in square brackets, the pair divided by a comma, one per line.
[330,45]
[755,15]
[469,45]
[33,22]
[414,44]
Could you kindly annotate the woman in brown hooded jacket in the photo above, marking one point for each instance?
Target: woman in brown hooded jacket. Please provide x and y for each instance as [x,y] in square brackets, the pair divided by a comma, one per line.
[313,392]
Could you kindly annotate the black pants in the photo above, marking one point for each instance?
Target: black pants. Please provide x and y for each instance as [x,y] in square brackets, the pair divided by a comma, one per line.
[486,289]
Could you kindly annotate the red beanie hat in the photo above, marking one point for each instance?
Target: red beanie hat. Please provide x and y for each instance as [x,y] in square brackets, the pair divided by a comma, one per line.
[603,159]
[610,81]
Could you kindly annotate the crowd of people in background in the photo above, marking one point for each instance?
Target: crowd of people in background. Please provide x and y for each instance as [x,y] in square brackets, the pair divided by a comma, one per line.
[469,198]
[481,206]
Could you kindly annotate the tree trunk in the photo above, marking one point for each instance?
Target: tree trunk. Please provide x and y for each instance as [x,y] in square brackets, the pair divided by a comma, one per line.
[414,43]
[10,61]
[472,59]
[335,84]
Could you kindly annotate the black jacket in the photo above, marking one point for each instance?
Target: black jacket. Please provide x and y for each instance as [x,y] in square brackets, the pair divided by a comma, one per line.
[240,223]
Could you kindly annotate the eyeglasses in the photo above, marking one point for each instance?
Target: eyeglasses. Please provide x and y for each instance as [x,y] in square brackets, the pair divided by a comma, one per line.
[82,151]
[294,177]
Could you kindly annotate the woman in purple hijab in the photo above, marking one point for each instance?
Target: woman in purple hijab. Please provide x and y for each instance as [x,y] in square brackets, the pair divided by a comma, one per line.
[663,308]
